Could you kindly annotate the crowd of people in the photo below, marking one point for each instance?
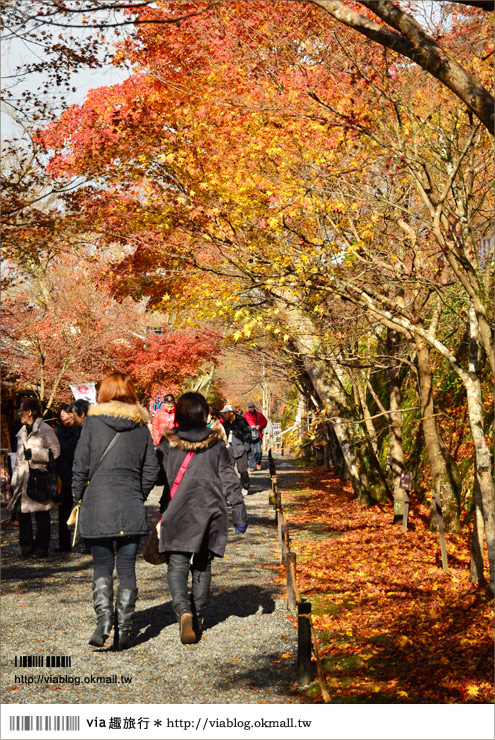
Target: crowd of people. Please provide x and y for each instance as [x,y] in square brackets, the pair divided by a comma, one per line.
[103,460]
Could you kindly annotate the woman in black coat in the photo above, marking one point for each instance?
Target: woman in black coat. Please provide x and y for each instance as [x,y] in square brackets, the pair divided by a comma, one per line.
[68,434]
[194,522]
[112,512]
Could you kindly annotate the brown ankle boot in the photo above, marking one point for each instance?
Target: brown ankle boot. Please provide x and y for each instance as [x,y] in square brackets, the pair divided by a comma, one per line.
[187,633]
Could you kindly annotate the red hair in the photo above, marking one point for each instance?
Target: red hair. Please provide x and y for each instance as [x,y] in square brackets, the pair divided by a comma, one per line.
[117,387]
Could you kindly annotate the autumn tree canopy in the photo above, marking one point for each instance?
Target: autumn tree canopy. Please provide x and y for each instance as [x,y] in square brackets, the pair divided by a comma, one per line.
[264,174]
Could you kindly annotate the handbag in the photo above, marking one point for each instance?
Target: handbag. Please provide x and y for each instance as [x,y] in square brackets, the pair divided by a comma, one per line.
[37,485]
[74,515]
[151,552]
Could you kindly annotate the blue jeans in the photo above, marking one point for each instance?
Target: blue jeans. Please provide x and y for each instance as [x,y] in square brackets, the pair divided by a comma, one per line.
[104,560]
[255,454]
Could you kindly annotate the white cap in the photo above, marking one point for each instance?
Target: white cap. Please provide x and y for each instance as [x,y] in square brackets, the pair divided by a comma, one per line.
[228,407]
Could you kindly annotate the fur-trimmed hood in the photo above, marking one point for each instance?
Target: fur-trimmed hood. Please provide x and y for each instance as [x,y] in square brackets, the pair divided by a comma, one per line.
[120,416]
[193,439]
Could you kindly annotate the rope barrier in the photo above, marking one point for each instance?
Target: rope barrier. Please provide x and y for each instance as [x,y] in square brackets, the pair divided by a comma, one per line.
[307,640]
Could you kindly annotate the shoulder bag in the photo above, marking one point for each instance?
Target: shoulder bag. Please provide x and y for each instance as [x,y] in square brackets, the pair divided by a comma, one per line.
[37,486]
[151,553]
[74,515]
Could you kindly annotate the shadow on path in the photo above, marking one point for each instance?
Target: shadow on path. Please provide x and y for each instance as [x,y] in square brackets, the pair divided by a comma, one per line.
[237,602]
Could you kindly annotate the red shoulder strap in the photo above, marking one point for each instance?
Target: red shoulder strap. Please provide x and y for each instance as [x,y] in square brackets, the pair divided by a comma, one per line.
[180,474]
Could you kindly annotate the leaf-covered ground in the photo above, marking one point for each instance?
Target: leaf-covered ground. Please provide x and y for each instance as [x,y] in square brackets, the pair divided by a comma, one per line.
[393,626]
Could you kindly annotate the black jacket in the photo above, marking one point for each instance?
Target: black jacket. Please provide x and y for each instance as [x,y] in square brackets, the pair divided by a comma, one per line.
[240,439]
[113,504]
[197,515]
[68,438]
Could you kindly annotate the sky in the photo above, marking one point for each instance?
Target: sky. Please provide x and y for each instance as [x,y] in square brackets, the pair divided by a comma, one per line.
[16,52]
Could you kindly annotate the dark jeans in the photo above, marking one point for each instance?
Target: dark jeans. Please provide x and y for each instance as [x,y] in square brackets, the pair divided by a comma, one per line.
[178,566]
[64,509]
[104,561]
[242,468]
[29,543]
[255,454]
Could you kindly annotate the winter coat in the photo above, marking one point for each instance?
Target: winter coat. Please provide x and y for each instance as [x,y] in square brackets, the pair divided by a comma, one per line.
[197,514]
[163,419]
[41,441]
[68,438]
[113,503]
[239,435]
[256,418]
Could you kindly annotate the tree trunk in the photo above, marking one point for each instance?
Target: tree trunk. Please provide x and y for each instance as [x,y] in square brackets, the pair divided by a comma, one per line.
[335,452]
[476,568]
[395,423]
[483,463]
[366,413]
[412,41]
[363,467]
[444,478]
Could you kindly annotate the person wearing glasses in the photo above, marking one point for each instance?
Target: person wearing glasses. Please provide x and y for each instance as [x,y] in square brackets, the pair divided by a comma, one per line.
[37,448]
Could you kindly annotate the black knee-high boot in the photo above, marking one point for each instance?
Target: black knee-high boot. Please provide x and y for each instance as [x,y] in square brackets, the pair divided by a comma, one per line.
[125,606]
[103,604]
[201,580]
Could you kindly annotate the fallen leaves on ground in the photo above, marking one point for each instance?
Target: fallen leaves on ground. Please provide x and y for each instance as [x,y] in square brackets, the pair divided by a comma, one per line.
[393,626]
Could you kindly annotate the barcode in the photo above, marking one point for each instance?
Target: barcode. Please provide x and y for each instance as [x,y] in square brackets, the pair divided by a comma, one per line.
[43,661]
[28,723]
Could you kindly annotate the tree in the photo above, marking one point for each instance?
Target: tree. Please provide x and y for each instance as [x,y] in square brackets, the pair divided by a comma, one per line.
[394,28]
[163,363]
[64,328]
[291,198]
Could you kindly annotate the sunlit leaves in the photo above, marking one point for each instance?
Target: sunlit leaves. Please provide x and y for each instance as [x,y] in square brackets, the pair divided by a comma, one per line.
[390,621]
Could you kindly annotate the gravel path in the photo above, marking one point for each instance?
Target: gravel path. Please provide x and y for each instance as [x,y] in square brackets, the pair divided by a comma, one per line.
[247,654]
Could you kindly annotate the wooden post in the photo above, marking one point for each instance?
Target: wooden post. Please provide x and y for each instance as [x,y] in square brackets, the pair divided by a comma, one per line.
[278,506]
[291,581]
[319,666]
[285,542]
[406,485]
[271,464]
[437,507]
[280,523]
[405,514]
[283,531]
[303,644]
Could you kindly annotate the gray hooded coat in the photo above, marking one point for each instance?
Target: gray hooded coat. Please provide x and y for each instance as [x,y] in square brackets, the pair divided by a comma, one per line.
[113,503]
[197,515]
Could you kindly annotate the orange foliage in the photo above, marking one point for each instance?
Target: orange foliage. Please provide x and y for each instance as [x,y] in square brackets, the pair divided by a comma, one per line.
[393,626]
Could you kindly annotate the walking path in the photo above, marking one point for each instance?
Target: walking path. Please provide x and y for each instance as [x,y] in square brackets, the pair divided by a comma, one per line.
[247,654]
